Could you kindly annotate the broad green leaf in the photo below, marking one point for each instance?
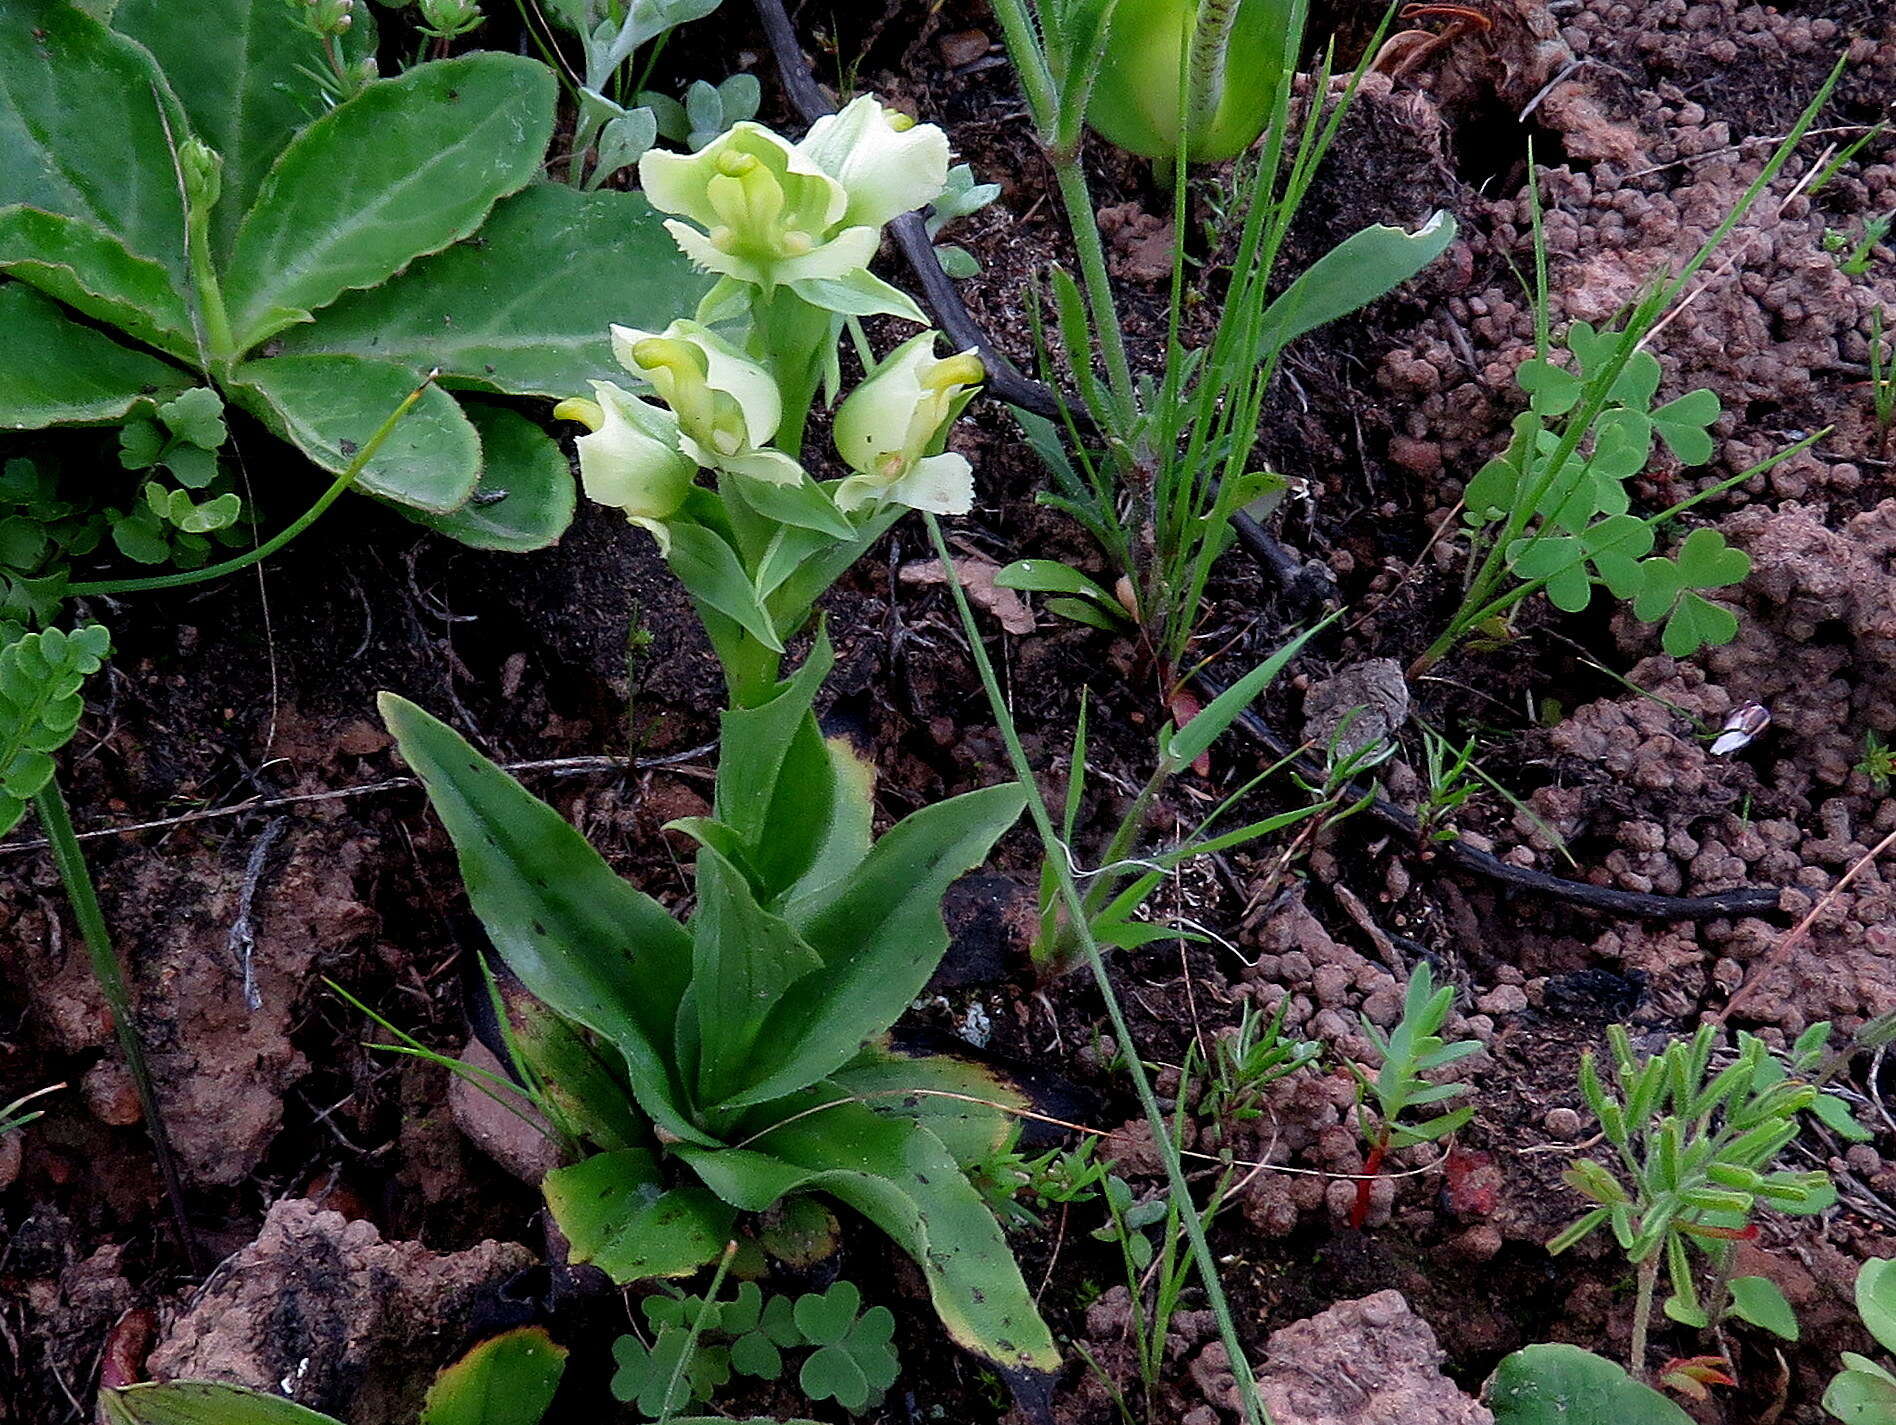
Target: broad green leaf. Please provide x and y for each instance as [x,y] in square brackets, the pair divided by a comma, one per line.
[525,308]
[1876,1299]
[1759,1301]
[880,935]
[581,1076]
[406,167]
[525,497]
[1556,1384]
[578,935]
[245,76]
[618,1215]
[189,1402]
[93,272]
[57,371]
[754,742]
[329,406]
[899,1176]
[87,125]
[972,1108]
[743,959]
[1351,275]
[507,1380]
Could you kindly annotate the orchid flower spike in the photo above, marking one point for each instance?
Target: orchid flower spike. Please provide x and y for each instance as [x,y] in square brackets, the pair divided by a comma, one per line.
[631,459]
[762,211]
[892,430]
[727,406]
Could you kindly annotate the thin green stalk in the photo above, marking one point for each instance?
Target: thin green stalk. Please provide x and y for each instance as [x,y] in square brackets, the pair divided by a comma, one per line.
[1642,1314]
[263,551]
[1026,49]
[1077,199]
[56,821]
[1254,1409]
[210,292]
[698,1323]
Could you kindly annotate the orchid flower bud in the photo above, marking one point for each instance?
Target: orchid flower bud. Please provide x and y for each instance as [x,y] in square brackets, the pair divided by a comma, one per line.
[631,458]
[203,170]
[892,429]
[449,19]
[727,407]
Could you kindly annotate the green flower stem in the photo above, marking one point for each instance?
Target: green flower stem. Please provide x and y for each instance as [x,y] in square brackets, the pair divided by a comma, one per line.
[84,899]
[1642,1314]
[210,292]
[1255,1412]
[263,551]
[1025,48]
[1078,201]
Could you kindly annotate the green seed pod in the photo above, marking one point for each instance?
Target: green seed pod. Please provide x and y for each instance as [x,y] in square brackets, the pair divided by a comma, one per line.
[1234,53]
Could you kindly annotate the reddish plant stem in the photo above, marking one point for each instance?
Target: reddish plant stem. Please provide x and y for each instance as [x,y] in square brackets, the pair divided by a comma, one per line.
[1372,1165]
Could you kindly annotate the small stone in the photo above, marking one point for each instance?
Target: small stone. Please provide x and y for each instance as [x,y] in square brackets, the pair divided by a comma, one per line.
[964,47]
[1562,1124]
[110,1093]
[1503,999]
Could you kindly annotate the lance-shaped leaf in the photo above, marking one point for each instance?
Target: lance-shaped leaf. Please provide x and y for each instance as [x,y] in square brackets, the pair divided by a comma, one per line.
[246,78]
[578,935]
[406,167]
[56,371]
[743,960]
[1351,275]
[525,496]
[330,406]
[197,1402]
[880,935]
[898,1175]
[619,1216]
[93,272]
[87,125]
[525,308]
[507,1380]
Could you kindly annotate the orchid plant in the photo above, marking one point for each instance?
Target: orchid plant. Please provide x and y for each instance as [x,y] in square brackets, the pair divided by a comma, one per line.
[718,1066]
[788,230]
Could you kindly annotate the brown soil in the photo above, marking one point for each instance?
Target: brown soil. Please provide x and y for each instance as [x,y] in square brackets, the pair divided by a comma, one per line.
[222,705]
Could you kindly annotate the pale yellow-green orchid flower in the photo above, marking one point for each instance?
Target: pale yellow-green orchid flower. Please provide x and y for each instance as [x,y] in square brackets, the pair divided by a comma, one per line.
[891,430]
[727,406]
[763,211]
[886,162]
[631,457]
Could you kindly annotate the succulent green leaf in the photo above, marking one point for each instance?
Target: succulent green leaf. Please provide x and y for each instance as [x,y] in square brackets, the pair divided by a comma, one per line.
[525,497]
[41,675]
[619,1216]
[406,167]
[246,79]
[56,371]
[524,309]
[899,1176]
[1556,1384]
[1759,1301]
[509,1379]
[87,124]
[579,937]
[880,935]
[330,406]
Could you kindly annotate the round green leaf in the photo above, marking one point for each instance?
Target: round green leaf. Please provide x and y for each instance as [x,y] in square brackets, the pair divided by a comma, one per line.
[525,497]
[1556,1384]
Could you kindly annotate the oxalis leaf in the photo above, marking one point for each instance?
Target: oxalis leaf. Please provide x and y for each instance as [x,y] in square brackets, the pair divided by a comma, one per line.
[405,168]
[1667,590]
[40,678]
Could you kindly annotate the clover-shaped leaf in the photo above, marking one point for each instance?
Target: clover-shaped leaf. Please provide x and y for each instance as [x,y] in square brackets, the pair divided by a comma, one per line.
[1496,483]
[1622,444]
[1637,383]
[197,418]
[1697,623]
[1560,559]
[1707,562]
[1551,391]
[646,1374]
[1682,425]
[855,1360]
